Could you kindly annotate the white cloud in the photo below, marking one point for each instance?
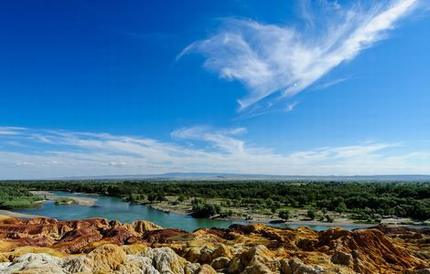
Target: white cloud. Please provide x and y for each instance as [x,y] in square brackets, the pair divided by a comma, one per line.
[330,83]
[9,130]
[222,139]
[58,153]
[290,107]
[284,60]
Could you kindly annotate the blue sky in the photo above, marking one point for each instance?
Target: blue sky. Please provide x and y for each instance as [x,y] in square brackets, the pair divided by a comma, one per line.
[145,87]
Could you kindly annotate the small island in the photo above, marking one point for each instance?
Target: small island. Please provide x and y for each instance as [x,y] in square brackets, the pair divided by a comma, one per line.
[65,201]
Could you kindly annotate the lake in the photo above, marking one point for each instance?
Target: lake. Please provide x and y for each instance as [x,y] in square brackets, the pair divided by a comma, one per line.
[113,208]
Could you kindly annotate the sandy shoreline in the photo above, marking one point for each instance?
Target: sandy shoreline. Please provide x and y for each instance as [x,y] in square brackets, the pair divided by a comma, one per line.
[339,221]
[4,214]
[264,219]
[83,201]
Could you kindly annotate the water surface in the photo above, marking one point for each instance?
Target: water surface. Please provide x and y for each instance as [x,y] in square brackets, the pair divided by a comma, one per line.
[113,208]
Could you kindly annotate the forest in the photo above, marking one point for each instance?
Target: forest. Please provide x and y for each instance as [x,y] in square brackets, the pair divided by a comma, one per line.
[362,200]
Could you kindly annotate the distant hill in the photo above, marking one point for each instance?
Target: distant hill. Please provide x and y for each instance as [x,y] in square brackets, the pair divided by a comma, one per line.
[231,176]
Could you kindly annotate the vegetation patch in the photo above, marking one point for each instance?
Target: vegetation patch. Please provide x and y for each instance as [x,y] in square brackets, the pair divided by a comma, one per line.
[14,197]
[361,201]
[65,201]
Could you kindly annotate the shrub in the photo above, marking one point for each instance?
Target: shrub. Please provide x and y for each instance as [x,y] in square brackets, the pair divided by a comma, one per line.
[311,214]
[284,214]
[204,210]
[329,218]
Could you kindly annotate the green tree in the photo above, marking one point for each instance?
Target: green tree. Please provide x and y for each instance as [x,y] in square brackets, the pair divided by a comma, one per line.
[181,198]
[341,207]
[311,214]
[284,214]
[204,210]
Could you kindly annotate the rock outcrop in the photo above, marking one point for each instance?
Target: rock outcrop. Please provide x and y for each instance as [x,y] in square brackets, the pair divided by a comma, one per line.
[43,245]
[106,259]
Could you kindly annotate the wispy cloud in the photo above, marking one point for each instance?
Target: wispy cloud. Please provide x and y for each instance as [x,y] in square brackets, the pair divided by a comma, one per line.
[290,107]
[330,83]
[56,153]
[9,130]
[284,60]
[268,108]
[223,139]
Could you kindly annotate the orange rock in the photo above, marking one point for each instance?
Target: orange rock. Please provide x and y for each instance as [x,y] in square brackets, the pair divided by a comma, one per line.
[252,248]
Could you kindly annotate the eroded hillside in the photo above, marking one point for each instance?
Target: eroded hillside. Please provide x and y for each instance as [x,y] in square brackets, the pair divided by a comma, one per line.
[43,245]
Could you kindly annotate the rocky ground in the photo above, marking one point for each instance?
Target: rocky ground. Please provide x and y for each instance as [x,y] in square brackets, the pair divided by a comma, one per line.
[42,245]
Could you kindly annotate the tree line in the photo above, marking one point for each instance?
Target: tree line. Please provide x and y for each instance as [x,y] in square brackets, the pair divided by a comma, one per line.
[362,199]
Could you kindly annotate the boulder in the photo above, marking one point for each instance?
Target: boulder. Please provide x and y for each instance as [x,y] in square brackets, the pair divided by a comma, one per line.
[341,258]
[257,268]
[296,266]
[192,268]
[307,244]
[4,267]
[137,264]
[107,258]
[254,256]
[165,260]
[78,264]
[192,254]
[221,251]
[206,269]
[258,253]
[143,226]
[32,263]
[134,249]
[221,263]
[206,255]
[422,271]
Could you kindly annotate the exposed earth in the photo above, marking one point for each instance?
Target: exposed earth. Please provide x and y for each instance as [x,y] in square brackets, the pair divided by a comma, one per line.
[43,245]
